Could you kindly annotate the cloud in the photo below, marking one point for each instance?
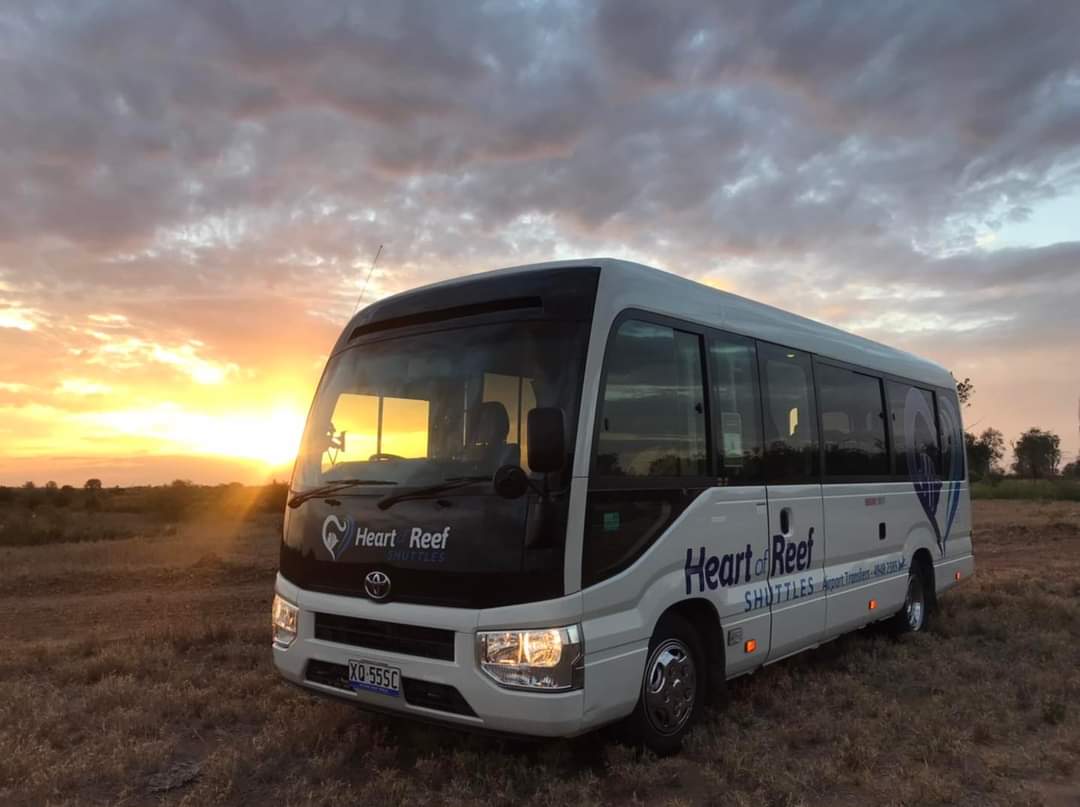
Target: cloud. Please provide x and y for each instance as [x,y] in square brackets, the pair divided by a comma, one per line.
[81,387]
[203,185]
[133,352]
[18,317]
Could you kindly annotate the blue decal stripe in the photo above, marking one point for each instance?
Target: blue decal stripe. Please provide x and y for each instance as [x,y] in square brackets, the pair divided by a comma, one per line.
[954,505]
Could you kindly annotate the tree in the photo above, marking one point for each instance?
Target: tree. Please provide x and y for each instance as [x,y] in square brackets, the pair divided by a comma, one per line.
[984,452]
[31,497]
[1072,470]
[92,484]
[1036,454]
[964,391]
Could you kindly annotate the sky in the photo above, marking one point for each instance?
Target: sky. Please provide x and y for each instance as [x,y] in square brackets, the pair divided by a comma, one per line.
[194,192]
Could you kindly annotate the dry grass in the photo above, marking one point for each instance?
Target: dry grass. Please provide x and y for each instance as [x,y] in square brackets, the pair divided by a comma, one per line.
[126,659]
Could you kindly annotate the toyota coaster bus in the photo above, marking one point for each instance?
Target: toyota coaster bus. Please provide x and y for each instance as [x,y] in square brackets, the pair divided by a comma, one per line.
[543,499]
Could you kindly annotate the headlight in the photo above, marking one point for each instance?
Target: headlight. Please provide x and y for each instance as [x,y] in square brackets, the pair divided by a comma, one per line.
[285,614]
[551,659]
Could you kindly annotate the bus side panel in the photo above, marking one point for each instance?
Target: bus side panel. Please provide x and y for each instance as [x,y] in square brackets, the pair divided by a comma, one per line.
[714,550]
[868,525]
[948,540]
[796,568]
[958,536]
[918,532]
[958,555]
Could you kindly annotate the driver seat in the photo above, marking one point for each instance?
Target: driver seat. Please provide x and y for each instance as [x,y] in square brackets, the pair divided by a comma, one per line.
[488,428]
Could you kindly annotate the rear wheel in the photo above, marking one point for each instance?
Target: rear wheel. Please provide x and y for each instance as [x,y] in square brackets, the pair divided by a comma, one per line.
[914,616]
[672,688]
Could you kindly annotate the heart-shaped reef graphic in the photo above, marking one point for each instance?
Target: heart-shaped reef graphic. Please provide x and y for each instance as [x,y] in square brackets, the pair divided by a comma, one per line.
[924,475]
[335,535]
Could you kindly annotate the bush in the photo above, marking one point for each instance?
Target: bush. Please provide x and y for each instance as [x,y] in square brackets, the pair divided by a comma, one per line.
[184,501]
[1042,489]
[23,528]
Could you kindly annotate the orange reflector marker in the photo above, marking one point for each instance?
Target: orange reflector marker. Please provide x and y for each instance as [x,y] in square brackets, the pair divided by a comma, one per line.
[957,575]
[750,646]
[873,604]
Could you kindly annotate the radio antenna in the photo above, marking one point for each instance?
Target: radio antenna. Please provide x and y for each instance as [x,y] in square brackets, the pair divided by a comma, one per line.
[363,288]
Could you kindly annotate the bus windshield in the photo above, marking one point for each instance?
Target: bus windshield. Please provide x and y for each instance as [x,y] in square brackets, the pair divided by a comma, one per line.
[426,408]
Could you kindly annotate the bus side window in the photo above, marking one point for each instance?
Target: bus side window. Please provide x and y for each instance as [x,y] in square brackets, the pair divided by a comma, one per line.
[914,429]
[652,454]
[652,415]
[791,438]
[735,399]
[852,423]
[950,436]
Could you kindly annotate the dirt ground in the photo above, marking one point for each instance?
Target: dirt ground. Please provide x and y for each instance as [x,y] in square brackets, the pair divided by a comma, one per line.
[138,671]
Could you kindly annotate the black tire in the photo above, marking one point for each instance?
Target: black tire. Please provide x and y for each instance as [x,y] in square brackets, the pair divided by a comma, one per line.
[914,616]
[674,687]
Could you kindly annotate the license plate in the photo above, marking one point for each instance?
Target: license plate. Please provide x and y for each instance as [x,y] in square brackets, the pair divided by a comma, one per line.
[373,677]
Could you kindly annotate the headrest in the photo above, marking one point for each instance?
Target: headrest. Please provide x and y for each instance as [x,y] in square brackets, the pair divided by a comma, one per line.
[489,423]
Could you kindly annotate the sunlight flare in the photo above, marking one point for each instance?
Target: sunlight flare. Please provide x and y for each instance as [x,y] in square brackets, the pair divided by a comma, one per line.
[270,436]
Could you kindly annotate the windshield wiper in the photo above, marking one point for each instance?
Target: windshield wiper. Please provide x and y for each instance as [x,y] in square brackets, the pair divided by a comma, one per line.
[334,487]
[451,483]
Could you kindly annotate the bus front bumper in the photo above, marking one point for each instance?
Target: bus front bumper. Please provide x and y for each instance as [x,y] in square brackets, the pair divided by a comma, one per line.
[454,692]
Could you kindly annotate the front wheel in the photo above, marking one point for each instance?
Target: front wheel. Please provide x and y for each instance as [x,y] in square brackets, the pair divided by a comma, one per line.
[914,616]
[672,688]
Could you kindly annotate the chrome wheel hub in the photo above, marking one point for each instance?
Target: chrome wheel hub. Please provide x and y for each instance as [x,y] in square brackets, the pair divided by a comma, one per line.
[670,687]
[913,605]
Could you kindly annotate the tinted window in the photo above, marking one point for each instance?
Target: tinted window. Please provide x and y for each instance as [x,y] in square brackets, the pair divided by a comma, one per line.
[852,423]
[950,436]
[791,441]
[915,444]
[652,414]
[733,373]
[621,524]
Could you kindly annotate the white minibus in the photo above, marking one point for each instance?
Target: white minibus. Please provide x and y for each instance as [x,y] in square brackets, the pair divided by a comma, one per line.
[544,499]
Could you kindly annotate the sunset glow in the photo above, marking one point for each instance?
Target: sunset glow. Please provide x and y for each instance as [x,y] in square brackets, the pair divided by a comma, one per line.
[268,437]
[185,231]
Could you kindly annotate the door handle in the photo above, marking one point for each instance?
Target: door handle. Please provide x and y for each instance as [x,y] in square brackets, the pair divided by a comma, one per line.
[785,520]
[881,531]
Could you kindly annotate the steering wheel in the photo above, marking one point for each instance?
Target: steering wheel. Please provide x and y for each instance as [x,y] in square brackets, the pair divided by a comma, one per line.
[384,457]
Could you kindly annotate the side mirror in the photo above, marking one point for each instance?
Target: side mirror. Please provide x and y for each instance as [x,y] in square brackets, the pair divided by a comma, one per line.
[510,482]
[547,443]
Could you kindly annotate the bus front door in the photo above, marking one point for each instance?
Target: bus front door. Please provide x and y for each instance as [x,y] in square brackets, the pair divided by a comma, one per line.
[796,567]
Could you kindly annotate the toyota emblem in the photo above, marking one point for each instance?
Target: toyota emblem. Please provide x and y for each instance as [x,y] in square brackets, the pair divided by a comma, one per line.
[377,585]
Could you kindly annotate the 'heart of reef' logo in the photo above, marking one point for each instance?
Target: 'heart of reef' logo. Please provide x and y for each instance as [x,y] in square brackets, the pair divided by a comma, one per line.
[336,534]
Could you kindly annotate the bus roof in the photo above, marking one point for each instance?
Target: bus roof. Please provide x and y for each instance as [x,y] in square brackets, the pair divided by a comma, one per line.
[624,284]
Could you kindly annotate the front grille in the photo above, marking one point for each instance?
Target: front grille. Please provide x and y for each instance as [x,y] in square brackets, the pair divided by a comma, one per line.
[410,640]
[327,674]
[441,697]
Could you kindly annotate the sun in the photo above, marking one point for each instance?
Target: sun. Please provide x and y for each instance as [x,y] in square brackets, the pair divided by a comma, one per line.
[267,436]
[271,438]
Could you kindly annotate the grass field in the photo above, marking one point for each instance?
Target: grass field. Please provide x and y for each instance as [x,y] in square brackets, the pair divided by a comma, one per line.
[137,671]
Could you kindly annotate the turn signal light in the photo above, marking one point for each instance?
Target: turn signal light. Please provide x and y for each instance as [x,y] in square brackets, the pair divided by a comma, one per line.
[873,604]
[957,576]
[750,646]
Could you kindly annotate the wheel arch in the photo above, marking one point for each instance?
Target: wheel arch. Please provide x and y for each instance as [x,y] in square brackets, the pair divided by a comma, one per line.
[923,562]
[701,614]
